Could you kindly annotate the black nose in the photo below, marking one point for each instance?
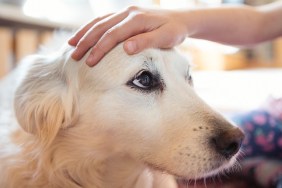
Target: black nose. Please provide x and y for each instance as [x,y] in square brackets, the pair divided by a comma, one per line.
[229,142]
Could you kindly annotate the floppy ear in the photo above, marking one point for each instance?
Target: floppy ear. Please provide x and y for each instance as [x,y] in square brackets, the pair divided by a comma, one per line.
[45,101]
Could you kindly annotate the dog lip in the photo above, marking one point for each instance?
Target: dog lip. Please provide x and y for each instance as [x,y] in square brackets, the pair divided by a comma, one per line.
[158,168]
[210,172]
[154,167]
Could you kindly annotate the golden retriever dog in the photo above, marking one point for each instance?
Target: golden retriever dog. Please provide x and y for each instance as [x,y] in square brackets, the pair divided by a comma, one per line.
[129,122]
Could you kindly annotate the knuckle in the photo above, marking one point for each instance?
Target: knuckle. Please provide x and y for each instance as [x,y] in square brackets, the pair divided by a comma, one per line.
[110,32]
[148,41]
[98,18]
[138,17]
[111,36]
[132,8]
[107,41]
[106,44]
[82,44]
[99,47]
[98,27]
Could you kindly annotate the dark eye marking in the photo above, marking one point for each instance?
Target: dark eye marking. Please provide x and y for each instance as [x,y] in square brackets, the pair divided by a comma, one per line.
[146,81]
[188,76]
[190,80]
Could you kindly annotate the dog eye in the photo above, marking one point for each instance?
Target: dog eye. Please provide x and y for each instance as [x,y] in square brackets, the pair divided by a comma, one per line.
[143,80]
[146,81]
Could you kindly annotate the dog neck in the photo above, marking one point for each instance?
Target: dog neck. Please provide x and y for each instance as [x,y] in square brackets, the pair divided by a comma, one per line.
[77,168]
[103,167]
[116,170]
[122,171]
[74,166]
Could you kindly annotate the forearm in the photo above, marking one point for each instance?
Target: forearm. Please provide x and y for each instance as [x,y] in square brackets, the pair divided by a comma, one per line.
[271,26]
[241,25]
[142,28]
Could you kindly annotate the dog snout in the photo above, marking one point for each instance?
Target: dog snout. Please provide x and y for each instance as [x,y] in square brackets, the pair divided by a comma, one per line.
[228,143]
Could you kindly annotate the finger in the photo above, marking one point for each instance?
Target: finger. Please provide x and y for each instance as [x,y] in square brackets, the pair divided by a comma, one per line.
[125,29]
[142,41]
[95,33]
[160,38]
[81,32]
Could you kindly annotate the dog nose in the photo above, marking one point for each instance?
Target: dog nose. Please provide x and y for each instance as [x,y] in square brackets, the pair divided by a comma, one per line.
[229,142]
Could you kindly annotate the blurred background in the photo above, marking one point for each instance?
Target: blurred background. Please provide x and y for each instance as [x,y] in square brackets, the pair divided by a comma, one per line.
[227,77]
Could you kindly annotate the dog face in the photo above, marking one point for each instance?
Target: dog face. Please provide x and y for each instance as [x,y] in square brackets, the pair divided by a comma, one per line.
[142,106]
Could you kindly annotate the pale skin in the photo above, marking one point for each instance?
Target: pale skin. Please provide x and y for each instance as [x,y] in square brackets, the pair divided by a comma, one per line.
[142,28]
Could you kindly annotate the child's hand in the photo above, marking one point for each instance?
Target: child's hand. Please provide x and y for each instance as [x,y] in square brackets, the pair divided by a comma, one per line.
[139,28]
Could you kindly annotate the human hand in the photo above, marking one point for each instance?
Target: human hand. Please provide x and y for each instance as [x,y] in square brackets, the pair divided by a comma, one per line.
[140,29]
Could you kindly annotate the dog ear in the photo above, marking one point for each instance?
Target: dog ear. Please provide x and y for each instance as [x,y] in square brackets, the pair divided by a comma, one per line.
[45,101]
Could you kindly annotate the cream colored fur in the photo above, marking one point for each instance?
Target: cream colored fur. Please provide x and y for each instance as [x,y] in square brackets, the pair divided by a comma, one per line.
[85,127]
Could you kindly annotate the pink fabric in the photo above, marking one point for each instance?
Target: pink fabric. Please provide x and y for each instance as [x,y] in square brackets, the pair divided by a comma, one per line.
[274,107]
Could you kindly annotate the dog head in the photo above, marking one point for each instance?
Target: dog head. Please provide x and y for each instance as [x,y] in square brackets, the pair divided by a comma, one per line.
[143,106]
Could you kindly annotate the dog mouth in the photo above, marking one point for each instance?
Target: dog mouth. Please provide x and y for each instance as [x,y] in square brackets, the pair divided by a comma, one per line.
[214,168]
[219,154]
[155,167]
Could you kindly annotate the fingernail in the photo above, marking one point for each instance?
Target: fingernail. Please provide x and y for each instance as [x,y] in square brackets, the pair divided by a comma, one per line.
[91,60]
[74,55]
[130,46]
[71,41]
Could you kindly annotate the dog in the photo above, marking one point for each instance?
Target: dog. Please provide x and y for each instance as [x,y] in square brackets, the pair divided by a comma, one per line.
[131,121]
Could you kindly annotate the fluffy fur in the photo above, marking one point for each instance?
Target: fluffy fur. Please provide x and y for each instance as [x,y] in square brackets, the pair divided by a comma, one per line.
[100,127]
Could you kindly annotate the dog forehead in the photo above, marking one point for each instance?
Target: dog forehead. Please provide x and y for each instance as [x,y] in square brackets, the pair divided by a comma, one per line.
[118,64]
[152,57]
[166,61]
[174,58]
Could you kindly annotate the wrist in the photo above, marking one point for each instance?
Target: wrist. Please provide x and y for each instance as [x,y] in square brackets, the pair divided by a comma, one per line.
[192,21]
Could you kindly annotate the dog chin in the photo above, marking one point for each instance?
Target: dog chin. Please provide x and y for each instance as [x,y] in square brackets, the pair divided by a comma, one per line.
[226,164]
[160,169]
